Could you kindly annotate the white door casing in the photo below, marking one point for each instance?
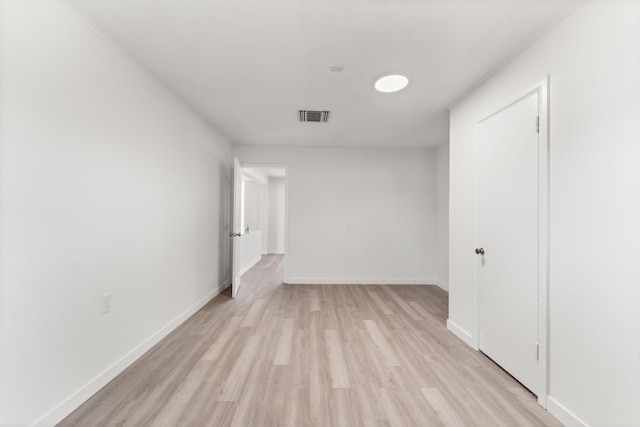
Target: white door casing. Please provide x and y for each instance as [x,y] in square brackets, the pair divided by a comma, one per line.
[512,230]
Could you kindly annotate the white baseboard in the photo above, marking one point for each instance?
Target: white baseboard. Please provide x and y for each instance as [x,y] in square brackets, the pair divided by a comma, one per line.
[71,403]
[462,334]
[358,281]
[442,285]
[277,252]
[250,264]
[565,416]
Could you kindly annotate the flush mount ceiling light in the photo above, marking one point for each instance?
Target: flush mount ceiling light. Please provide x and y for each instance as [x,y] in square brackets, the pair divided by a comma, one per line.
[391,83]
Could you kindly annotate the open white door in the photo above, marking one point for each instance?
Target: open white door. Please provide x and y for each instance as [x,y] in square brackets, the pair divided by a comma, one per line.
[508,233]
[236,233]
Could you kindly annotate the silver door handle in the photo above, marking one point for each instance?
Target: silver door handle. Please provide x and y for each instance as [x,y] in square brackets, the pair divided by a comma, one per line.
[480,251]
[232,234]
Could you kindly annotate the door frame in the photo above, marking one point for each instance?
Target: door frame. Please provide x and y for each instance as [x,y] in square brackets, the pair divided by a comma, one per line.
[286,207]
[542,89]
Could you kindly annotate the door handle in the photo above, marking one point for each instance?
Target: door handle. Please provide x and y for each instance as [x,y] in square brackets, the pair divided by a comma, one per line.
[232,234]
[480,251]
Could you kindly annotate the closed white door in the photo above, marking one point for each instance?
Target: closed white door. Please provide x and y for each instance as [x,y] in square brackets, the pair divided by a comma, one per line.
[507,251]
[237,226]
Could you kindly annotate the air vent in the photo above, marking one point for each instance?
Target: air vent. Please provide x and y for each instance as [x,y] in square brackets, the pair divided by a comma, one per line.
[313,116]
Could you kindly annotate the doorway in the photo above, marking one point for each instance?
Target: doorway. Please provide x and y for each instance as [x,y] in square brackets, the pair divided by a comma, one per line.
[512,242]
[260,216]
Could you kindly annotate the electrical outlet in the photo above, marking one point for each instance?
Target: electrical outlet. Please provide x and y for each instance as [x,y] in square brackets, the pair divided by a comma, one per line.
[105,303]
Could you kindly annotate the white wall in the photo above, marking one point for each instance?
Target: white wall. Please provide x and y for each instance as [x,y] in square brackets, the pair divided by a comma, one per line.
[252,206]
[442,215]
[251,242]
[594,63]
[266,226]
[250,250]
[357,215]
[276,215]
[108,184]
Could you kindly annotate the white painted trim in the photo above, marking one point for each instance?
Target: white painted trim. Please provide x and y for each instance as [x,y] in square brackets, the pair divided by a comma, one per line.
[67,406]
[565,416]
[462,334]
[441,285]
[250,265]
[359,281]
[542,89]
[274,253]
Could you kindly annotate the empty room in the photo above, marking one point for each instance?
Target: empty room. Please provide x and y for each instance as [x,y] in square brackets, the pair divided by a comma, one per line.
[332,213]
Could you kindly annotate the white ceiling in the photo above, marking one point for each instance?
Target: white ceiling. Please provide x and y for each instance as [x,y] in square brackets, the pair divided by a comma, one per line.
[248,66]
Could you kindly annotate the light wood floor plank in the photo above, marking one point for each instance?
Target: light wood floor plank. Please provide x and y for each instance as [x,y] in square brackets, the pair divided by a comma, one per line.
[285,343]
[447,412]
[337,365]
[380,303]
[221,342]
[402,303]
[314,297]
[240,370]
[254,313]
[381,342]
[313,355]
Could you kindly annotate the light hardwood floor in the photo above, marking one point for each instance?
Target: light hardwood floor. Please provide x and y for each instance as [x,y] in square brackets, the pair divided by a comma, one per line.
[326,355]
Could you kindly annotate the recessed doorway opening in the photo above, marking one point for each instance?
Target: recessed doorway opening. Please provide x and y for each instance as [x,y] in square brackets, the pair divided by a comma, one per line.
[262,215]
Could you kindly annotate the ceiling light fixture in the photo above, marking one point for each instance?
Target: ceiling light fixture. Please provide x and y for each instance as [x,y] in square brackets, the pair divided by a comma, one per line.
[391,83]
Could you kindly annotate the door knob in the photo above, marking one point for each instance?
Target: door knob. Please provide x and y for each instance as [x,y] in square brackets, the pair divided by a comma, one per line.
[480,251]
[232,234]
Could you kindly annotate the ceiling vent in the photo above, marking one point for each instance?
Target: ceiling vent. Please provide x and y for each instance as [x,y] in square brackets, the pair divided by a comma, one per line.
[313,116]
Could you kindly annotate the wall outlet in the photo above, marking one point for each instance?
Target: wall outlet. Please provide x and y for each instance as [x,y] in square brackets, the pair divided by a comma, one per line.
[105,303]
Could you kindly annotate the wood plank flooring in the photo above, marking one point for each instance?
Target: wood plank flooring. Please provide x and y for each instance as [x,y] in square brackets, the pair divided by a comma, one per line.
[326,355]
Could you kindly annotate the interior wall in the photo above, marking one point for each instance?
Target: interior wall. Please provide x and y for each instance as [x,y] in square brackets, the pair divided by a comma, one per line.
[266,227]
[108,185]
[251,241]
[442,215]
[357,215]
[250,250]
[253,206]
[276,212]
[593,61]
